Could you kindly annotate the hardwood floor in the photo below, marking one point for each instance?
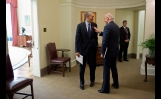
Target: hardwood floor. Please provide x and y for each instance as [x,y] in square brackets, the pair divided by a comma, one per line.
[25,70]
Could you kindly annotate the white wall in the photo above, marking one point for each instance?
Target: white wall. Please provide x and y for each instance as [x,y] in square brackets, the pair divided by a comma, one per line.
[67,34]
[125,14]
[135,35]
[24,8]
[48,17]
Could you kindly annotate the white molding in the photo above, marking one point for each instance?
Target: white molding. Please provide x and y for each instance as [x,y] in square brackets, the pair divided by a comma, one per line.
[117,6]
[150,0]
[150,71]
[73,63]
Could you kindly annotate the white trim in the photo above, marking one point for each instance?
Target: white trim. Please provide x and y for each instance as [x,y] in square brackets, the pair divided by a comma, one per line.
[150,0]
[36,39]
[73,63]
[150,70]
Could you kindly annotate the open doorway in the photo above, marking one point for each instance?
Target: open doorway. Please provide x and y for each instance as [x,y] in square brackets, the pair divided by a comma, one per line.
[19,52]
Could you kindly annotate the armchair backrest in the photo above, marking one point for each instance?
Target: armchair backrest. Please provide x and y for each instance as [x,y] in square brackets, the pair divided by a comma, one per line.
[51,47]
[9,69]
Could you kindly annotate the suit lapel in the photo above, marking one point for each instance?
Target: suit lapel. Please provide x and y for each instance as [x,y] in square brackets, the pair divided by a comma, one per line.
[92,29]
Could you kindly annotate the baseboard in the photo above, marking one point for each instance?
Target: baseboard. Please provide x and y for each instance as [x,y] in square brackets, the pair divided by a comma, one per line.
[150,71]
[133,55]
[140,56]
[44,70]
[73,63]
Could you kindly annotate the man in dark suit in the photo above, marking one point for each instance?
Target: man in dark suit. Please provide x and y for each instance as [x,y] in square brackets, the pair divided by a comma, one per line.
[109,52]
[124,41]
[86,42]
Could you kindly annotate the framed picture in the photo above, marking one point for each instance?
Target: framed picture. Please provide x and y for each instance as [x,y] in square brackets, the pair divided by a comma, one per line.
[83,16]
[27,20]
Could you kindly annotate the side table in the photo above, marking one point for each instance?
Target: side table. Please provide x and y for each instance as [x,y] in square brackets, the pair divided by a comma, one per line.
[149,60]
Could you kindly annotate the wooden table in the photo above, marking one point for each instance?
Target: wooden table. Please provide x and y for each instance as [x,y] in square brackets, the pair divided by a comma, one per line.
[63,50]
[22,39]
[149,60]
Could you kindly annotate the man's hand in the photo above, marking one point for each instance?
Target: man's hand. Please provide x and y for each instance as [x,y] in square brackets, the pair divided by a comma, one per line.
[77,54]
[96,30]
[127,40]
[102,55]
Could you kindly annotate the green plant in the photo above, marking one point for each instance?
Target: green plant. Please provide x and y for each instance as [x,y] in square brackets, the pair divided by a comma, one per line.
[150,44]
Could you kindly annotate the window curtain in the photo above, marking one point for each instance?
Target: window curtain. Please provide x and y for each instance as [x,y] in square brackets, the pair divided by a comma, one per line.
[14,21]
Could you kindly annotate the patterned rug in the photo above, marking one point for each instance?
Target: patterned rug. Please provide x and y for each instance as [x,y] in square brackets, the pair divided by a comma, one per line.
[18,56]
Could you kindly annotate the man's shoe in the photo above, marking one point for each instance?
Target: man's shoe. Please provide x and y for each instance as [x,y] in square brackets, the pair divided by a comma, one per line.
[92,84]
[115,86]
[120,60]
[82,87]
[100,91]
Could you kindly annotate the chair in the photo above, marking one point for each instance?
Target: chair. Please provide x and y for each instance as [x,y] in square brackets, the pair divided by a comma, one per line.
[29,44]
[14,84]
[54,59]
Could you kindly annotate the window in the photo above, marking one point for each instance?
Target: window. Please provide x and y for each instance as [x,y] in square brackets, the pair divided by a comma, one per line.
[8,22]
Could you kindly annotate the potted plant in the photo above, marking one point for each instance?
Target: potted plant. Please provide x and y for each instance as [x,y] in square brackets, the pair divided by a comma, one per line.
[150,44]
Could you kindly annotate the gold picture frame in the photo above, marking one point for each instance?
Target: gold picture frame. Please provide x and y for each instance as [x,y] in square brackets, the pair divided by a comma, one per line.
[83,16]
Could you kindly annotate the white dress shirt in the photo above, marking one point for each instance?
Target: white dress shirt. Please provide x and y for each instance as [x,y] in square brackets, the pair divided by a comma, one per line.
[87,25]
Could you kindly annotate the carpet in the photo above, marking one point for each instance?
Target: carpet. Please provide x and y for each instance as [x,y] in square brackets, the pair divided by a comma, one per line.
[54,86]
[18,56]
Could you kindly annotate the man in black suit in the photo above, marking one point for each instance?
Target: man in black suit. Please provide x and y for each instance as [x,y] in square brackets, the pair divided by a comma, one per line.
[109,52]
[124,41]
[86,42]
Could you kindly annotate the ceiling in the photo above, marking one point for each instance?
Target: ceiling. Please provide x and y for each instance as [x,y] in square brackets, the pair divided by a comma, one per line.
[108,2]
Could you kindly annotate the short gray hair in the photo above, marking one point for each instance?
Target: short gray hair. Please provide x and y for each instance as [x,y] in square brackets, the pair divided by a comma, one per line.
[88,13]
[110,16]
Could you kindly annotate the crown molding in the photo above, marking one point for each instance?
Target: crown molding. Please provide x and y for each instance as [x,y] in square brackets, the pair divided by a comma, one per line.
[117,6]
[150,0]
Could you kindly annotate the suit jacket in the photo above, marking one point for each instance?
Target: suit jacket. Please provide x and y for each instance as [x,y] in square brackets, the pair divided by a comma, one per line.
[82,40]
[110,44]
[123,35]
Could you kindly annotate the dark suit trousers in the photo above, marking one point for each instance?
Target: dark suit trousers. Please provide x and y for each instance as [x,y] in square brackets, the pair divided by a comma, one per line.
[123,48]
[91,57]
[109,63]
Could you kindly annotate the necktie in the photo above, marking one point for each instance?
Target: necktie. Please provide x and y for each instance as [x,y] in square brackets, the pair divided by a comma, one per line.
[126,33]
[89,31]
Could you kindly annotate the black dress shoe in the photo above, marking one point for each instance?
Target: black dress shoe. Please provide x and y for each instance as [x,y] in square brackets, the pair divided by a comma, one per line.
[92,84]
[115,86]
[82,87]
[126,60]
[100,91]
[120,60]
